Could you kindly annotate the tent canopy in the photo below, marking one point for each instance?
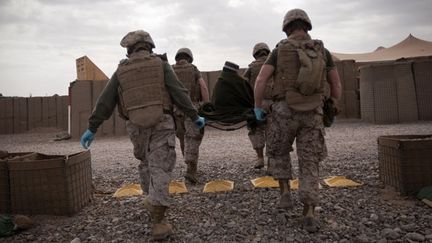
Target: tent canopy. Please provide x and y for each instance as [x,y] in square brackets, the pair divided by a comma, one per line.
[410,47]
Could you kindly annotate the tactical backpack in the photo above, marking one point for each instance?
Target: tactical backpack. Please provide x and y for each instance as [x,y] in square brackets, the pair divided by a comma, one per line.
[300,74]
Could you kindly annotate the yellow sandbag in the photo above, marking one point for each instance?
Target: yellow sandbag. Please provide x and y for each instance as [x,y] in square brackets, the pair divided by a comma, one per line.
[219,186]
[268,181]
[265,181]
[129,190]
[340,181]
[177,187]
[294,184]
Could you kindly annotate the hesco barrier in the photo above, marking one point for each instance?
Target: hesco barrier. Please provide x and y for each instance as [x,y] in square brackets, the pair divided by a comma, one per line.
[49,184]
[404,162]
[423,83]
[367,100]
[350,100]
[5,205]
[387,93]
[406,93]
[205,77]
[347,70]
[19,114]
[84,95]
[212,79]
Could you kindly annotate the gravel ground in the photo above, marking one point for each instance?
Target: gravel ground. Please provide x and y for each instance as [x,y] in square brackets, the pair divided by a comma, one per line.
[369,213]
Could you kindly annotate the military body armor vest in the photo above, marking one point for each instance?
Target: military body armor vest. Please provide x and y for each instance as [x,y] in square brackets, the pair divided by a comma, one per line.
[255,68]
[186,74]
[300,73]
[142,93]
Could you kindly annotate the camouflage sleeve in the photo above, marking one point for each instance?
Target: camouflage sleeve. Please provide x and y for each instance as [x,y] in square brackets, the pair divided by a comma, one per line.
[272,58]
[105,104]
[330,63]
[178,93]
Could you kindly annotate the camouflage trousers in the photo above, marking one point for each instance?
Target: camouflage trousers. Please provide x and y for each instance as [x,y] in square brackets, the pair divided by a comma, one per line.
[189,135]
[307,129]
[155,148]
[257,136]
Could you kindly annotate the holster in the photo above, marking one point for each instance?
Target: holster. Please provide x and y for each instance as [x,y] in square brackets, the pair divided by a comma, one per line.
[329,110]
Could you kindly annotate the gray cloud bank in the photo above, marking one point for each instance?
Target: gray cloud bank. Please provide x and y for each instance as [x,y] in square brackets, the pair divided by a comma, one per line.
[40,39]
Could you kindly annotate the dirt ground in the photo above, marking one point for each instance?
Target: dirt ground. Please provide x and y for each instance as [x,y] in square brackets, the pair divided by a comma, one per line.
[368,213]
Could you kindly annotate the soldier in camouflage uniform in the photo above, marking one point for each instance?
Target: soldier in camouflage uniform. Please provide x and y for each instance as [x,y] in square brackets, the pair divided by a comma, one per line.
[301,68]
[257,136]
[189,135]
[144,87]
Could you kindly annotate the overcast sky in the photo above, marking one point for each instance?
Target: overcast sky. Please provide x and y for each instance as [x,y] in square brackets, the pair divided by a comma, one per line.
[41,39]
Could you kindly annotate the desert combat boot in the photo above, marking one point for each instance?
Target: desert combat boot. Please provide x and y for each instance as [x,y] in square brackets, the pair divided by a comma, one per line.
[285,199]
[310,221]
[191,171]
[269,167]
[260,159]
[161,228]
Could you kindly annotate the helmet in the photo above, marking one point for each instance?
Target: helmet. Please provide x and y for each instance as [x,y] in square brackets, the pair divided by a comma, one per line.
[295,14]
[135,37]
[258,47]
[186,51]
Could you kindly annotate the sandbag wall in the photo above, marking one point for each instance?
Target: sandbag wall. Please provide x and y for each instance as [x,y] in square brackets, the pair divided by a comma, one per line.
[21,114]
[396,92]
[83,98]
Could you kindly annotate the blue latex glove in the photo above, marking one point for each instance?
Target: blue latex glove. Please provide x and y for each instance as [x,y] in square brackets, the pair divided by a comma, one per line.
[260,114]
[87,139]
[200,122]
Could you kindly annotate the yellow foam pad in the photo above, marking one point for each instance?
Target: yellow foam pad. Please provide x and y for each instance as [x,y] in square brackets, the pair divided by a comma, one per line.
[265,181]
[268,181]
[219,186]
[177,187]
[294,184]
[340,181]
[428,202]
[128,190]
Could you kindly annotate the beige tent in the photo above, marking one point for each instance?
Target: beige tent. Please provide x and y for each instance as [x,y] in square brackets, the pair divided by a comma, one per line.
[410,47]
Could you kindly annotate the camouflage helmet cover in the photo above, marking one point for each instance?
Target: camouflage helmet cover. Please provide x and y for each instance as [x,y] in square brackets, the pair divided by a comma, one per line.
[258,47]
[295,14]
[186,51]
[135,37]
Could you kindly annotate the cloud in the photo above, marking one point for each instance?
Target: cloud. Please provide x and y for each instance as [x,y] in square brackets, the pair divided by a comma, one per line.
[41,39]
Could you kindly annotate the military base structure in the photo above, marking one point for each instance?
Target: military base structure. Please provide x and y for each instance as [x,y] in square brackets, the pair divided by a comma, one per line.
[389,85]
[394,84]
[19,114]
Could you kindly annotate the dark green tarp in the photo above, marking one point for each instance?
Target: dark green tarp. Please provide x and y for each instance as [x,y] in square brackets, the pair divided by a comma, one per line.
[232,101]
[6,226]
